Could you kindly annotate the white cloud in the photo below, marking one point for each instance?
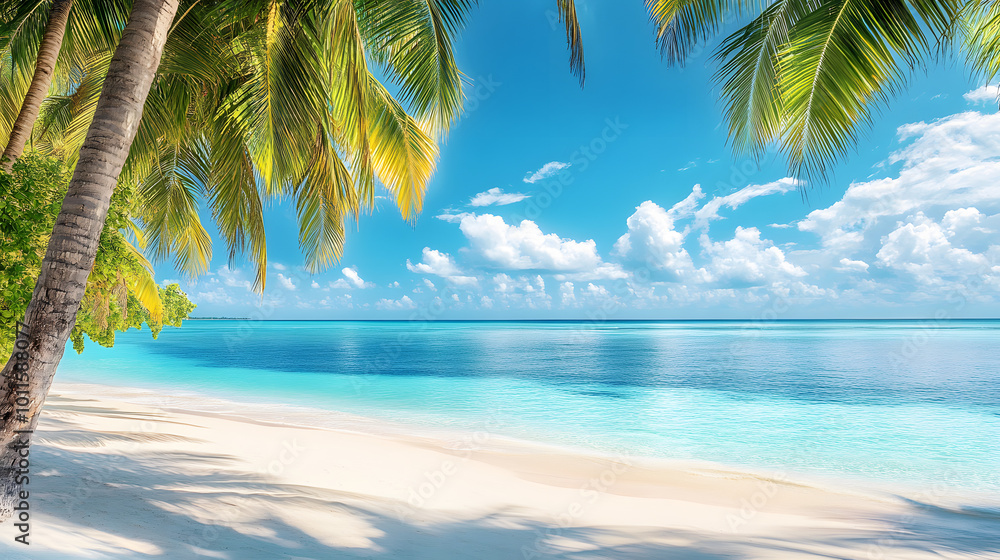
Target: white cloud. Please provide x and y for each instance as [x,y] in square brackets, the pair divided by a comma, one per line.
[234,278]
[710,211]
[279,266]
[748,260]
[451,216]
[951,163]
[395,304]
[434,262]
[525,247]
[596,291]
[603,271]
[546,171]
[218,295]
[463,281]
[523,291]
[653,240]
[567,294]
[961,219]
[848,265]
[687,206]
[314,284]
[351,274]
[496,196]
[441,264]
[286,282]
[983,94]
[924,249]
[430,285]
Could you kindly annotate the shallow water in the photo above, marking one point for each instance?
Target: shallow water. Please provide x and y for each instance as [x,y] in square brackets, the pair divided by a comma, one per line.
[909,402]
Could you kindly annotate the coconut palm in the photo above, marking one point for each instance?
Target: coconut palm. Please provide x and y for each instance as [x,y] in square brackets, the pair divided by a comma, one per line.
[258,134]
[253,101]
[72,247]
[33,37]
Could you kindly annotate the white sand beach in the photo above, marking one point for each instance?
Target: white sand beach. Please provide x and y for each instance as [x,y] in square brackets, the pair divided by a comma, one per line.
[117,479]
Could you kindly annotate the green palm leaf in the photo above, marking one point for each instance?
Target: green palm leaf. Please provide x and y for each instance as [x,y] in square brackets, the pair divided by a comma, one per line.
[843,59]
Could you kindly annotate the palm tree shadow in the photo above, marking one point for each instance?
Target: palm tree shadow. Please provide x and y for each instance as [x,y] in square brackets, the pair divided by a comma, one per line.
[162,504]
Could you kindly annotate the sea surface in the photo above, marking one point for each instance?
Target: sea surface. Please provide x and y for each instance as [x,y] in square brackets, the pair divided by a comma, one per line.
[907,402]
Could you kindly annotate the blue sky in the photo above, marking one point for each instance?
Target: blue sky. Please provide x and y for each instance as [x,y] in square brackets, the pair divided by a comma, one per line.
[622,200]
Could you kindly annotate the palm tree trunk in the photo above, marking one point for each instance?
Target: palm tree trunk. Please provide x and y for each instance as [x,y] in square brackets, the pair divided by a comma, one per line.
[45,65]
[51,313]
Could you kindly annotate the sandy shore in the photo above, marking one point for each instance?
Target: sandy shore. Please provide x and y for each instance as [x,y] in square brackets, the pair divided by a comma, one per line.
[117,479]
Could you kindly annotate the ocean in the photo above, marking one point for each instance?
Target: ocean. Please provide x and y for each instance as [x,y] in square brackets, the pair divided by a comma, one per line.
[911,403]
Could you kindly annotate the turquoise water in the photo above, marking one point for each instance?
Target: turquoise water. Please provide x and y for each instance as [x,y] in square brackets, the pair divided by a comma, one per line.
[900,401]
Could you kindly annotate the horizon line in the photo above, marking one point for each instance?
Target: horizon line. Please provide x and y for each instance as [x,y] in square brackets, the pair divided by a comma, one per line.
[584,320]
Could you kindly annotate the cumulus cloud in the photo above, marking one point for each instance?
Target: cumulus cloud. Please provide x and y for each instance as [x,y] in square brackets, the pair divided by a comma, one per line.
[441,264]
[546,171]
[748,260]
[652,238]
[983,94]
[923,248]
[351,274]
[496,196]
[286,282]
[234,278]
[434,262]
[524,246]
[950,163]
[218,295]
[848,265]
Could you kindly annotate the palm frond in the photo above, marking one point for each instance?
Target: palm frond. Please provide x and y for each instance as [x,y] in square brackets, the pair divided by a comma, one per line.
[843,59]
[748,76]
[574,38]
[413,41]
[682,24]
[142,285]
[322,200]
[170,193]
[980,23]
[404,155]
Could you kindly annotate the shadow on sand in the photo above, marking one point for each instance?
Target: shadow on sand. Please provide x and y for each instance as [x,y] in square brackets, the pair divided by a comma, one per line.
[135,507]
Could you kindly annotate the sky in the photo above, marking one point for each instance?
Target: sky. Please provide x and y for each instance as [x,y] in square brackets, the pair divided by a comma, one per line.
[622,200]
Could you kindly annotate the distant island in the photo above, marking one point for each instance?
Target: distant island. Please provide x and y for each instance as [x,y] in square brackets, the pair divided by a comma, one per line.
[218,318]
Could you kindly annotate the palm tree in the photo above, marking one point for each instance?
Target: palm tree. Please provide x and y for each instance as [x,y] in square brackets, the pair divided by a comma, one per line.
[254,100]
[45,65]
[60,287]
[236,117]
[34,36]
